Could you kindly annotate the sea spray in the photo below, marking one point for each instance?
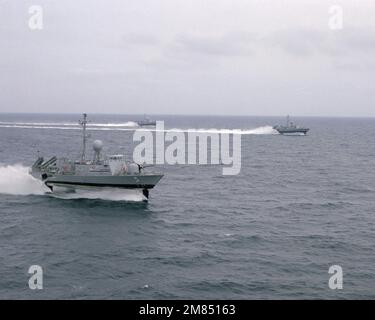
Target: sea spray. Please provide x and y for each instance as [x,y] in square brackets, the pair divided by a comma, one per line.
[261,130]
[16,180]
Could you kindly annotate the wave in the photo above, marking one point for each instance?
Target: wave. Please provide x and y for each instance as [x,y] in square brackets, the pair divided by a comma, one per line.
[131,126]
[16,180]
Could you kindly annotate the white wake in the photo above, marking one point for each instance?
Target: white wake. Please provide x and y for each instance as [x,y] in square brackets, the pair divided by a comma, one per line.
[65,124]
[257,131]
[131,126]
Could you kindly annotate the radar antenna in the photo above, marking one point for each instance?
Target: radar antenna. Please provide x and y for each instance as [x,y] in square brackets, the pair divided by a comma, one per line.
[83,123]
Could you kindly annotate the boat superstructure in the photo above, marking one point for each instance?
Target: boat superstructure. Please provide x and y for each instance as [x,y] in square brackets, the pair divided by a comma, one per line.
[291,128]
[100,172]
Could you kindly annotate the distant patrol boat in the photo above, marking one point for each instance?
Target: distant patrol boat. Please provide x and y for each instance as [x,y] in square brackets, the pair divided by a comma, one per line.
[146,122]
[290,128]
[98,173]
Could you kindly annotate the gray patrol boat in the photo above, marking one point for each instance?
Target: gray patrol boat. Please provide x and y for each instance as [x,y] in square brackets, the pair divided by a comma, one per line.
[108,172]
[146,122]
[291,128]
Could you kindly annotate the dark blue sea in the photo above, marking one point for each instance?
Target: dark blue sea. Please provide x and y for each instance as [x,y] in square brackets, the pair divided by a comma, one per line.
[299,205]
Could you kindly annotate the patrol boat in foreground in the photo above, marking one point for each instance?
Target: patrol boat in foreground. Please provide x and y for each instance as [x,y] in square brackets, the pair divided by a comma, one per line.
[291,128]
[98,173]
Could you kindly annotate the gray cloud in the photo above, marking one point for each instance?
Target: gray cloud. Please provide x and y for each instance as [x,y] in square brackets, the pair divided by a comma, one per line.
[299,42]
[309,41]
[136,39]
[230,44]
[302,42]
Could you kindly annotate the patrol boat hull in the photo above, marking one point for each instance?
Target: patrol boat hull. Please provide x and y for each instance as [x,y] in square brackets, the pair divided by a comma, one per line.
[124,182]
[287,131]
[290,129]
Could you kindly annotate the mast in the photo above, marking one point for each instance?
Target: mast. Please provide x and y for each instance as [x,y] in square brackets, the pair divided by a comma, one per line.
[83,123]
[287,120]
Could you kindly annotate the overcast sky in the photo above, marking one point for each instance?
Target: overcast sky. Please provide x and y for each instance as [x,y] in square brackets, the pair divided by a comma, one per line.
[239,57]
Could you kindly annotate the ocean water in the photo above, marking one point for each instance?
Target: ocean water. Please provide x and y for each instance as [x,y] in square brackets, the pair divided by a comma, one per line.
[299,205]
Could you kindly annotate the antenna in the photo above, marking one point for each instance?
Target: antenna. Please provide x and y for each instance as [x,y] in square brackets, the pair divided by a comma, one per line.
[83,123]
